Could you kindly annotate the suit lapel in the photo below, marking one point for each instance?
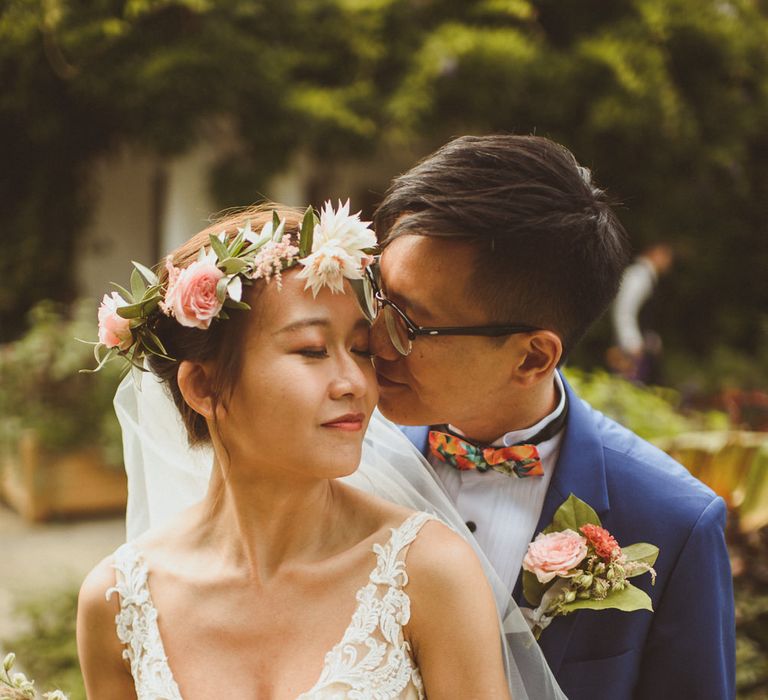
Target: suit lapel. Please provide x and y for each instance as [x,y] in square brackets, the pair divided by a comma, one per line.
[580,466]
[580,471]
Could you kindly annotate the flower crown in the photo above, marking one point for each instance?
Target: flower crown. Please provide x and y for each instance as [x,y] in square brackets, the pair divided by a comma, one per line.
[331,247]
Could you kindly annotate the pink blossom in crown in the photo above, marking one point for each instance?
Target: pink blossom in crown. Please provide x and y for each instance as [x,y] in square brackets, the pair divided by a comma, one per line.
[271,259]
[191,293]
[338,245]
[114,330]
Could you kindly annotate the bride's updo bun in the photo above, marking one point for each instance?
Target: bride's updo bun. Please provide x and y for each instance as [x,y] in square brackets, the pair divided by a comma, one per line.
[222,341]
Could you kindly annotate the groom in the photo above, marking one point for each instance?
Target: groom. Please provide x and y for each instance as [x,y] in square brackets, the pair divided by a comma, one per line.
[510,231]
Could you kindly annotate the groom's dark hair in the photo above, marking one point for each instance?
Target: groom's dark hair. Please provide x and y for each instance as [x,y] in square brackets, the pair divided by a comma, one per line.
[550,249]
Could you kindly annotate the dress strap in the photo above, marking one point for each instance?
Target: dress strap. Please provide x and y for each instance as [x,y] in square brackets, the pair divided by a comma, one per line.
[390,557]
[130,576]
[137,627]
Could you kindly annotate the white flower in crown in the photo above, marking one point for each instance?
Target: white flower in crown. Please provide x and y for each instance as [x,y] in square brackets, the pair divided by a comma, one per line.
[338,249]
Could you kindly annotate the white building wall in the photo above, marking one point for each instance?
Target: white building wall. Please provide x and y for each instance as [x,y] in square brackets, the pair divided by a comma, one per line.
[188,206]
[121,222]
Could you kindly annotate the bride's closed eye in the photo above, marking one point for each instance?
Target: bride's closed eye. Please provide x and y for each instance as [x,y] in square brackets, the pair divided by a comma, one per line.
[322,353]
[314,353]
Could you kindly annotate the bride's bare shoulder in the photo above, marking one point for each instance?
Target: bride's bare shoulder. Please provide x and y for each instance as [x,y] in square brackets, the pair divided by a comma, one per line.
[438,551]
[98,646]
[97,604]
[442,566]
[93,592]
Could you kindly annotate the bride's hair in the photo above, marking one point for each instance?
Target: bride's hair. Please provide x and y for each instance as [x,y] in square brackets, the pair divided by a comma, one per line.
[221,343]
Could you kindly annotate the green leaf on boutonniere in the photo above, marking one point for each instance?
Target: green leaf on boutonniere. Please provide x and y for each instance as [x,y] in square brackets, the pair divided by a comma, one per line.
[533,590]
[643,552]
[572,515]
[629,599]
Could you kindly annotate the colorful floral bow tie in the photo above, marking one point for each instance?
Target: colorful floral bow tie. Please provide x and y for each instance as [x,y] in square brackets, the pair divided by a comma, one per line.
[516,460]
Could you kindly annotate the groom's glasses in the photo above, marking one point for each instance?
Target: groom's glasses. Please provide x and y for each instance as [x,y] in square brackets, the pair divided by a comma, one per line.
[403,331]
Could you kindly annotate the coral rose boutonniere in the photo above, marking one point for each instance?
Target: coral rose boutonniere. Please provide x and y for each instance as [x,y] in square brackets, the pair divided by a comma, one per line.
[576,564]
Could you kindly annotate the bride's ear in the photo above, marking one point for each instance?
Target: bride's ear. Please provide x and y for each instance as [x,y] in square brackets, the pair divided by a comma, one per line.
[194,380]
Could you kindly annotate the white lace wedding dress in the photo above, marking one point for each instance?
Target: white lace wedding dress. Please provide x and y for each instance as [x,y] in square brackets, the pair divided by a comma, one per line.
[371,662]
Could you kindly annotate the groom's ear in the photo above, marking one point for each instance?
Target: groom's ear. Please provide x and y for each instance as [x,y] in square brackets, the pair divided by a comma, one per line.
[194,380]
[538,356]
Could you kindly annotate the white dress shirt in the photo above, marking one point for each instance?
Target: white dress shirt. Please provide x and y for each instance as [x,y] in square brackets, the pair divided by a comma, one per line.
[504,509]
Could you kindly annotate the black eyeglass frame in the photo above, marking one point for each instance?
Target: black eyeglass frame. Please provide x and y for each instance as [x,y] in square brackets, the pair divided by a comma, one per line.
[414,330]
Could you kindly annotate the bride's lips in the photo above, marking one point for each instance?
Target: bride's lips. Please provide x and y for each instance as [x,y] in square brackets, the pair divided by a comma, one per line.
[349,421]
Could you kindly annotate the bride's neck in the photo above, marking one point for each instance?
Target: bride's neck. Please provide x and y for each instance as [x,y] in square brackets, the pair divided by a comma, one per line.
[260,525]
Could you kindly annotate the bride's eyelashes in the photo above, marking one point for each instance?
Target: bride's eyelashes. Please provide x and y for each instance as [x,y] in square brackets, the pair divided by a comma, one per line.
[314,353]
[321,353]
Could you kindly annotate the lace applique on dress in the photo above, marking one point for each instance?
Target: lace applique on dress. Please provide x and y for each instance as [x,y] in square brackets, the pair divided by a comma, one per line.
[373,660]
[137,628]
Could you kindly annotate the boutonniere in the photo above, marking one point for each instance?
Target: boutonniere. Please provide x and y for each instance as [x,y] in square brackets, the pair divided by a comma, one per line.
[576,564]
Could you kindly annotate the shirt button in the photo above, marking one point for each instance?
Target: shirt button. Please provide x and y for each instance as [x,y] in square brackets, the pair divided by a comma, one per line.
[471,525]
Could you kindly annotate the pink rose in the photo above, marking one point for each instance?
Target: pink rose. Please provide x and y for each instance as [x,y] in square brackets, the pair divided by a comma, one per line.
[114,330]
[191,296]
[555,554]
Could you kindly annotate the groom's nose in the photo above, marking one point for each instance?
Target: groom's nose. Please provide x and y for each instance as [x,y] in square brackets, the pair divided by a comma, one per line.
[380,343]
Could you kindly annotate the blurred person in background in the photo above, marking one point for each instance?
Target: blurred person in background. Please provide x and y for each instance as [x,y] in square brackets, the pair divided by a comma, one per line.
[638,348]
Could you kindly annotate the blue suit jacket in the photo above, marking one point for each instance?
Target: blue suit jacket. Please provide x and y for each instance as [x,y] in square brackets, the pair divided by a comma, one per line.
[685,649]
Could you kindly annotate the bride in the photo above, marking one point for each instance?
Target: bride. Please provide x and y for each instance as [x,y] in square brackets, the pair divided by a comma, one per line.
[286,580]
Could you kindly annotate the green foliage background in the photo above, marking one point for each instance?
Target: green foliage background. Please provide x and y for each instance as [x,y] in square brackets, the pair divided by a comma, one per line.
[667,101]
[43,390]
